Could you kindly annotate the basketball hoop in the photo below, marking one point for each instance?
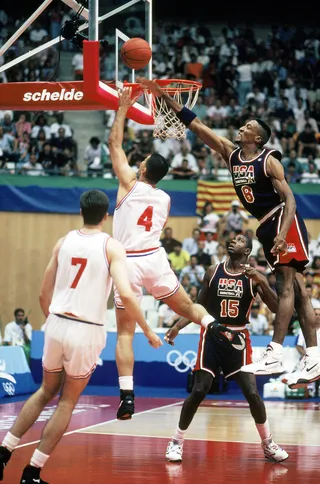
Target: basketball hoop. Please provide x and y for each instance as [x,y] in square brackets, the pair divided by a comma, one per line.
[167,124]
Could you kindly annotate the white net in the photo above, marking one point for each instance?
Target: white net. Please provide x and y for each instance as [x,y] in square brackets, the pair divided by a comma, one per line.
[167,124]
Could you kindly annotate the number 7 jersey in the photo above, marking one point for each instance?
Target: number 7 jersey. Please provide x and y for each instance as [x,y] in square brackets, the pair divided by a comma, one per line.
[140,216]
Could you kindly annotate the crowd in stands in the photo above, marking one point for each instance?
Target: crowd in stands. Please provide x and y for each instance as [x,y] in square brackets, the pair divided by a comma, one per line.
[272,74]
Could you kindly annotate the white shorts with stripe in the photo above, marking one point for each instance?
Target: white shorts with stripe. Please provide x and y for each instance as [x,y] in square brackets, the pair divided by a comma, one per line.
[72,346]
[151,270]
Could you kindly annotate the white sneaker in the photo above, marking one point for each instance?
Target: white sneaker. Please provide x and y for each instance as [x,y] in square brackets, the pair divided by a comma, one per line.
[308,372]
[174,452]
[269,363]
[273,451]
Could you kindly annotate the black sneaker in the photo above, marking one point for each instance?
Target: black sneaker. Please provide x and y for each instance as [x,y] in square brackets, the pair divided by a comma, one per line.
[126,407]
[31,475]
[5,455]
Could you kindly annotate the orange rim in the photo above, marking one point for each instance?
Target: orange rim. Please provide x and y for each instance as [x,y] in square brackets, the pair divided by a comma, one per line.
[183,85]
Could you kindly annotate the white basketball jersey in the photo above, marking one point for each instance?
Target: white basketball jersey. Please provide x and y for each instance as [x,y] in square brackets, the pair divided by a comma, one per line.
[83,282]
[139,218]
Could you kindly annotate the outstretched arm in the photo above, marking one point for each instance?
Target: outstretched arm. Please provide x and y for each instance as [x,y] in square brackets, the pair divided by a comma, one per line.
[49,279]
[123,171]
[218,143]
[276,172]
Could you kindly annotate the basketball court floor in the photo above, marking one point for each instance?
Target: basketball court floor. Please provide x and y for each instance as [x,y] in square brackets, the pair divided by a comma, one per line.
[222,444]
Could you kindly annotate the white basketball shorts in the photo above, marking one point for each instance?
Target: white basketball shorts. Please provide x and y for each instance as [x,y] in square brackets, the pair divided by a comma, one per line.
[151,271]
[72,346]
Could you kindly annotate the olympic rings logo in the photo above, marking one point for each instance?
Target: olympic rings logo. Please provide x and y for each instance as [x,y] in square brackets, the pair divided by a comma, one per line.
[182,363]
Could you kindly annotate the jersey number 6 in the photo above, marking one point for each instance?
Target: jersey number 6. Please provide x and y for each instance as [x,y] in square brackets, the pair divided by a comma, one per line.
[145,218]
[78,261]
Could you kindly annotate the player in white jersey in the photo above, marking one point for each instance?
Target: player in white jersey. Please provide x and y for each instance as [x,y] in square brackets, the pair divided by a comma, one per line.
[140,215]
[74,294]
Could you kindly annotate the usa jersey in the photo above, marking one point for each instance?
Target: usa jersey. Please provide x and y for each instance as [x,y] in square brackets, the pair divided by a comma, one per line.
[140,216]
[252,184]
[230,297]
[83,282]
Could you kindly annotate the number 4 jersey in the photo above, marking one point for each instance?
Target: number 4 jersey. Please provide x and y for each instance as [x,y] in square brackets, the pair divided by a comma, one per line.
[83,282]
[139,218]
[230,298]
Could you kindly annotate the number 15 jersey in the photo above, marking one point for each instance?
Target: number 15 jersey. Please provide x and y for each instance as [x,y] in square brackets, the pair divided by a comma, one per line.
[140,216]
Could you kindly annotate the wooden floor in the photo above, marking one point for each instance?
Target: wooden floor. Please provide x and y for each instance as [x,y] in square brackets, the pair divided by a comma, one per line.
[222,444]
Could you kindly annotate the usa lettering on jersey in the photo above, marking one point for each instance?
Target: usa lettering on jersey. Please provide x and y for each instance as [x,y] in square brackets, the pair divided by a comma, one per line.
[230,287]
[243,174]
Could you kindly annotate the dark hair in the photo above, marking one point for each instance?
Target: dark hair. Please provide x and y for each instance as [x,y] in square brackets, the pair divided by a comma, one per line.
[156,168]
[18,310]
[94,205]
[248,242]
[265,131]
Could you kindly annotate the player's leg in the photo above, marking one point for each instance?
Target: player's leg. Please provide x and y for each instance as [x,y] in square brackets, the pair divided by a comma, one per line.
[181,304]
[248,385]
[202,384]
[55,427]
[310,364]
[125,332]
[271,361]
[29,413]
[125,363]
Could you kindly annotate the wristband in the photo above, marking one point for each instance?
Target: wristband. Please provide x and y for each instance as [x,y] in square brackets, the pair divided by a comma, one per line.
[206,320]
[186,116]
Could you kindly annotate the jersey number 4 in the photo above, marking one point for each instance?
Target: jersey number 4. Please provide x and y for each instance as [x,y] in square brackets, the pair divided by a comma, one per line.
[78,261]
[145,218]
[229,308]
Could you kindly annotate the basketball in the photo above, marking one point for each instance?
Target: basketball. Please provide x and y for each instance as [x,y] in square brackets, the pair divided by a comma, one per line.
[136,53]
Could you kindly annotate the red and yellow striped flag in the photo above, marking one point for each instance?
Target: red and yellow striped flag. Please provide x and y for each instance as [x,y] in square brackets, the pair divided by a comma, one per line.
[219,194]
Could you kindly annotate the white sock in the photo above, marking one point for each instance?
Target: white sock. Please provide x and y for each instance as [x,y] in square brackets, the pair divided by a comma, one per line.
[179,435]
[10,441]
[276,347]
[38,459]
[313,351]
[126,382]
[264,430]
[206,320]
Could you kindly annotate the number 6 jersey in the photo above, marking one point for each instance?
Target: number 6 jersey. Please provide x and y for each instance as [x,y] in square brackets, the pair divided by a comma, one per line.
[140,216]
[230,298]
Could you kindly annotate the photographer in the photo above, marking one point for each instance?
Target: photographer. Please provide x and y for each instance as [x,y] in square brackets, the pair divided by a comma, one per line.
[19,332]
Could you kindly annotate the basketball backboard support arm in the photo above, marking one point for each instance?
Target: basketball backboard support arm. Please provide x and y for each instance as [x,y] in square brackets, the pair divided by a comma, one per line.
[89,94]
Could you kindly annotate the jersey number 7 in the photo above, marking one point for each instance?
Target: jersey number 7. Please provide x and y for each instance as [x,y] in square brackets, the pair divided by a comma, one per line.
[78,261]
[145,218]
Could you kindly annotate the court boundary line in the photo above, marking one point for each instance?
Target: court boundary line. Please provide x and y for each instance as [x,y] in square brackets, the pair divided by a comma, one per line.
[195,439]
[102,423]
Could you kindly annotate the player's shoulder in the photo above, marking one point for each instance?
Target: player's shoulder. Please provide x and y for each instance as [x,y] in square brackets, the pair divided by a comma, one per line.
[210,272]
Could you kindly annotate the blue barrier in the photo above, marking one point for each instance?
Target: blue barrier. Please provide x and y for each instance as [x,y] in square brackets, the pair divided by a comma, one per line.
[15,374]
[165,367]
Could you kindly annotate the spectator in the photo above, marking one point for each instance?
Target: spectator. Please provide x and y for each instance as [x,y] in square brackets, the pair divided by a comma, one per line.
[96,156]
[19,332]
[168,242]
[167,317]
[208,221]
[258,322]
[190,244]
[235,218]
[220,256]
[194,271]
[32,167]
[307,143]
[179,258]
[77,64]
[204,259]
[210,246]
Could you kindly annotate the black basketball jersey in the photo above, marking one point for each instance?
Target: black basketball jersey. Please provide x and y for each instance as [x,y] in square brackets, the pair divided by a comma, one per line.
[230,297]
[252,184]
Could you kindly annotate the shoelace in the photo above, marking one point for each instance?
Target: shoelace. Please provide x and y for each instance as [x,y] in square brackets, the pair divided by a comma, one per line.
[264,356]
